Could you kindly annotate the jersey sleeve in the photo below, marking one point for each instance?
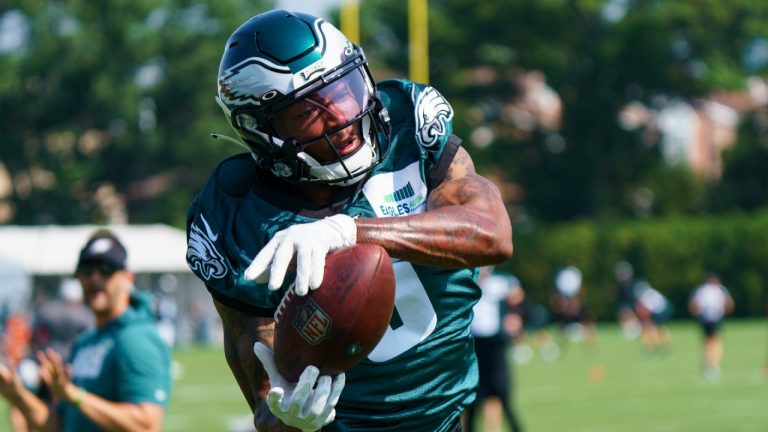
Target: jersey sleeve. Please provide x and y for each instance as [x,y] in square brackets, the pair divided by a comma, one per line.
[422,115]
[143,366]
[216,252]
[206,255]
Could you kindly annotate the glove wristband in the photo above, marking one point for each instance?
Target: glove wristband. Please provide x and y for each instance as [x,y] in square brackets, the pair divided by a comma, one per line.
[346,226]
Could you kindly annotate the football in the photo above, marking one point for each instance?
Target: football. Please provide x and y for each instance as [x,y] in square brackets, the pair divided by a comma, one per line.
[337,325]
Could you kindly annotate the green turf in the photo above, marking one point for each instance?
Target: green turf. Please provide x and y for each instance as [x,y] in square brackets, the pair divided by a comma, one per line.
[205,395]
[618,387]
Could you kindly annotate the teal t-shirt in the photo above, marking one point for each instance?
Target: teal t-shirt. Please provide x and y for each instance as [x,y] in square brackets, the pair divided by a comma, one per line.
[423,372]
[123,361]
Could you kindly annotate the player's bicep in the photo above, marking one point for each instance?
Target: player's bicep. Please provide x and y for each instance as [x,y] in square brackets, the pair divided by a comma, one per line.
[463,186]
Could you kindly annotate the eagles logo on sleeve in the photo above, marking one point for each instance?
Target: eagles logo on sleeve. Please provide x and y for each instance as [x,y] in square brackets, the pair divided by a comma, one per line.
[433,113]
[202,256]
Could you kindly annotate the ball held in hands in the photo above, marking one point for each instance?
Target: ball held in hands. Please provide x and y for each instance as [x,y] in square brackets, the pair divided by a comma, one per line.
[337,325]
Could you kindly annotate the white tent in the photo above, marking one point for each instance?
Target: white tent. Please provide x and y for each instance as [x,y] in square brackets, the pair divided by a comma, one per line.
[53,250]
[15,285]
[35,258]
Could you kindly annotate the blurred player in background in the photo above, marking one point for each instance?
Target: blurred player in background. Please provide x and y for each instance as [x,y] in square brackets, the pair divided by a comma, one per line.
[570,310]
[489,327]
[624,275]
[709,303]
[654,311]
[526,323]
[16,336]
[56,325]
[118,376]
[333,160]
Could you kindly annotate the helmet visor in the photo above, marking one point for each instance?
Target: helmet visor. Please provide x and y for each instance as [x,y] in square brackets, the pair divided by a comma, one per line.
[324,110]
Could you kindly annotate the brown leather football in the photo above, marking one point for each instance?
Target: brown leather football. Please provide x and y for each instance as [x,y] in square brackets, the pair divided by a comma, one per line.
[337,325]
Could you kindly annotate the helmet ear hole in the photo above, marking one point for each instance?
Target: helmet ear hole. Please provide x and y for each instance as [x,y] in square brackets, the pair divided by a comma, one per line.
[268,96]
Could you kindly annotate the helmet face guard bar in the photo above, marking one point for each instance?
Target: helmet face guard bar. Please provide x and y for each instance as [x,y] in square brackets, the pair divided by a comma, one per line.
[291,148]
[311,117]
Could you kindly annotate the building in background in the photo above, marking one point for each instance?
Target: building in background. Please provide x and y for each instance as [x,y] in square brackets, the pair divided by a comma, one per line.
[694,133]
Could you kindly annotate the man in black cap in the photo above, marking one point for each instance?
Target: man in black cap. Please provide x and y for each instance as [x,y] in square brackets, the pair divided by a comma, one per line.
[120,371]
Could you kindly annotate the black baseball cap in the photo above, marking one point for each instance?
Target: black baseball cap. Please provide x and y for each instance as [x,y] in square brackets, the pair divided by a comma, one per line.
[103,247]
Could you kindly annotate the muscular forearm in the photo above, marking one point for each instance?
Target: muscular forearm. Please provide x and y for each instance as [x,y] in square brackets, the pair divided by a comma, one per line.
[241,331]
[250,377]
[35,412]
[448,237]
[115,416]
[465,225]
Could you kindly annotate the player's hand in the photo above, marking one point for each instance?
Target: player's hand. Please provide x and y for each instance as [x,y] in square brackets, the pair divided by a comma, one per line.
[55,373]
[10,383]
[309,243]
[300,405]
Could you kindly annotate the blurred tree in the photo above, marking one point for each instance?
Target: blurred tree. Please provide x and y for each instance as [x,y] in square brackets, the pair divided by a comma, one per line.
[107,106]
[598,56]
[745,178]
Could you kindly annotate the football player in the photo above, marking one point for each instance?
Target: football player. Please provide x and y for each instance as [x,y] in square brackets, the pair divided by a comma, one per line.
[336,159]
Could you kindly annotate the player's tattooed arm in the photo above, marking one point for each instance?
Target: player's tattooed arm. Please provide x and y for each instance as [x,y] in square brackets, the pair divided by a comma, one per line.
[465,225]
[241,331]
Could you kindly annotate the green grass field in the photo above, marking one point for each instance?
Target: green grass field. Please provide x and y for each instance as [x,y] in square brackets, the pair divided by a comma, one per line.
[617,387]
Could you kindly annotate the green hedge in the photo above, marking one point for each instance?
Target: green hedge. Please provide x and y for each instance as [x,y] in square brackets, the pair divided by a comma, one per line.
[673,254]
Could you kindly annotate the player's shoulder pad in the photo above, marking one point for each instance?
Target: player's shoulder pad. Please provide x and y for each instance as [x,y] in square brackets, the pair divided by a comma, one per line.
[234,176]
[431,114]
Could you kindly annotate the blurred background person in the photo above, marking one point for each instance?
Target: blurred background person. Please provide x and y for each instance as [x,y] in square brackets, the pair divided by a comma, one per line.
[569,309]
[58,322]
[491,342]
[167,309]
[16,336]
[709,303]
[654,311]
[526,324]
[56,325]
[624,275]
[118,376]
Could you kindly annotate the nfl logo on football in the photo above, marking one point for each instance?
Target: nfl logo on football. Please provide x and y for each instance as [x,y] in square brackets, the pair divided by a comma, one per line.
[312,323]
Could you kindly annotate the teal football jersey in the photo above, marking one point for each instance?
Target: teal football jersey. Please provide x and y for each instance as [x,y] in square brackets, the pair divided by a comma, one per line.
[423,372]
[125,361]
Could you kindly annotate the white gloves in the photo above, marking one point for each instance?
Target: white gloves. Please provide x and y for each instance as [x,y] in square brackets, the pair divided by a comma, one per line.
[310,243]
[299,405]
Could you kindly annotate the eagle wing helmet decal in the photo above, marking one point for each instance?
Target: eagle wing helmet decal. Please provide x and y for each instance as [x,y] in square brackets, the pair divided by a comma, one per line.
[243,83]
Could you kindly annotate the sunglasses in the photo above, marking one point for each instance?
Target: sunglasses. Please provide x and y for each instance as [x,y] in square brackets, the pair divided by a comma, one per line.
[104,268]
